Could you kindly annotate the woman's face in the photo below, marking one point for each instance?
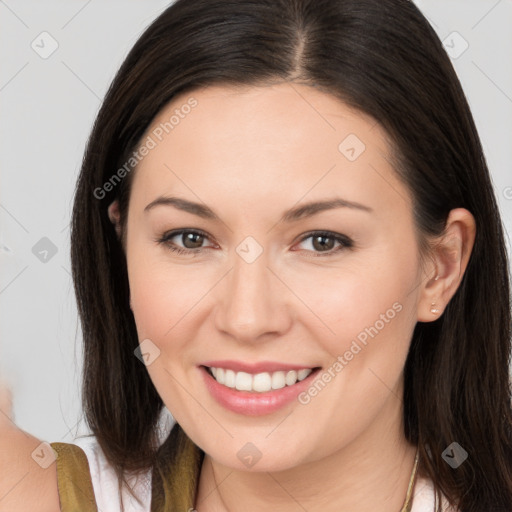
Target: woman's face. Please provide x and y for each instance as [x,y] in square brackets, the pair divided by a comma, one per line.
[267,286]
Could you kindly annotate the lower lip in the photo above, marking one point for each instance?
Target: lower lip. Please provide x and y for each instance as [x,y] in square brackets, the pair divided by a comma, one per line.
[254,403]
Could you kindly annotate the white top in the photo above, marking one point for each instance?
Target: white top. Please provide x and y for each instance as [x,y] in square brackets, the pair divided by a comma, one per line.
[105,484]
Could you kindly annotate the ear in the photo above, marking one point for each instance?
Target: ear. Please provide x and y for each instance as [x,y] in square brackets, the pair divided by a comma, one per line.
[115,216]
[449,261]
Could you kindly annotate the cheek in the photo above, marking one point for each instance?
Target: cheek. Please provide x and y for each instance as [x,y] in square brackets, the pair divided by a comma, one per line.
[363,303]
[162,294]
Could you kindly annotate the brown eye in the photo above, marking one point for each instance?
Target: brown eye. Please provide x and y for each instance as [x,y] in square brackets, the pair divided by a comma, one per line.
[324,243]
[192,240]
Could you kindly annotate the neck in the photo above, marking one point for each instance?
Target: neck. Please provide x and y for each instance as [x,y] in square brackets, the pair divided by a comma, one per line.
[371,473]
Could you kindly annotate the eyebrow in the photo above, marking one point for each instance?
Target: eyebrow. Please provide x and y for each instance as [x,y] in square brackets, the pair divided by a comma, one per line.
[291,215]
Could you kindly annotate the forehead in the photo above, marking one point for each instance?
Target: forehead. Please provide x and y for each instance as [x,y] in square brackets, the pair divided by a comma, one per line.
[258,140]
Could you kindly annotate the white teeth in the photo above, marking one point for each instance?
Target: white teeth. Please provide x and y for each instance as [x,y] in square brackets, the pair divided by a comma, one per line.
[230,378]
[302,374]
[278,380]
[260,382]
[291,378]
[243,381]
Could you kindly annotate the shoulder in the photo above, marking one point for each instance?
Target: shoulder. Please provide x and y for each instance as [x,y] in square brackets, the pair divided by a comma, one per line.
[28,478]
[105,482]
[424,497]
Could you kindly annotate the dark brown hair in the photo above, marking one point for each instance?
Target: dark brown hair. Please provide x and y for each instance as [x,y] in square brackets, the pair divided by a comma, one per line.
[383,58]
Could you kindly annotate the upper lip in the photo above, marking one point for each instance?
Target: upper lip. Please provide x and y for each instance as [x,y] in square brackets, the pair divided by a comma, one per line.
[259,367]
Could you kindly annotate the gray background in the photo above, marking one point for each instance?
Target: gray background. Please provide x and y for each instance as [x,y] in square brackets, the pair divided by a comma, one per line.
[48,105]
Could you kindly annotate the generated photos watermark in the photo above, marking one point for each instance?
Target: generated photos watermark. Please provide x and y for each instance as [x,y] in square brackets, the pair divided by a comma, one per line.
[343,360]
[151,142]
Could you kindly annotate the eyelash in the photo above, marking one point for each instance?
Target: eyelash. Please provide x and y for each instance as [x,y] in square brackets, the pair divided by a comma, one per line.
[346,242]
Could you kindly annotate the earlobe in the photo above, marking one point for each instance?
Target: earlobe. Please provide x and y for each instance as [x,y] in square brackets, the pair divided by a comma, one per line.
[450,258]
[115,216]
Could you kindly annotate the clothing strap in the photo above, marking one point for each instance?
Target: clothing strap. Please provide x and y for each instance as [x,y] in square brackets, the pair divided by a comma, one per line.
[407,506]
[176,473]
[174,481]
[74,479]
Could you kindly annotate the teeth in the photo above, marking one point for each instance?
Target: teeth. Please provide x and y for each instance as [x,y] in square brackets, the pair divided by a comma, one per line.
[230,378]
[243,381]
[302,374]
[278,380]
[260,382]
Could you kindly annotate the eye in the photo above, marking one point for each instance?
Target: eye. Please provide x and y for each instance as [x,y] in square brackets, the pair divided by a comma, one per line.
[323,242]
[192,240]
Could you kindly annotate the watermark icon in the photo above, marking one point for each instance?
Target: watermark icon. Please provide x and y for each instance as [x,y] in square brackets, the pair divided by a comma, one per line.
[454,455]
[44,455]
[351,147]
[44,45]
[343,360]
[151,142]
[249,249]
[507,192]
[455,45]
[147,352]
[44,250]
[249,454]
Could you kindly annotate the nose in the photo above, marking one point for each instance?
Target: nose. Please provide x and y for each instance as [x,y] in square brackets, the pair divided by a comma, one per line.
[252,302]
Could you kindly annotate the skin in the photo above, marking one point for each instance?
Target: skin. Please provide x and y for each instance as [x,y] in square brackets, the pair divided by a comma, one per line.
[250,153]
[24,485]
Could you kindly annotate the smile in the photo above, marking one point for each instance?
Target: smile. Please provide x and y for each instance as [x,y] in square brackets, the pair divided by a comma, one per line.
[255,389]
[260,382]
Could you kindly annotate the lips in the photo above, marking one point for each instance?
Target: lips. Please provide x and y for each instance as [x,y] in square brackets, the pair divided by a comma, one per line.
[255,388]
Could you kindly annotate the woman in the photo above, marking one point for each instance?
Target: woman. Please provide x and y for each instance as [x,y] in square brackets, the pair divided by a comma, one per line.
[284,231]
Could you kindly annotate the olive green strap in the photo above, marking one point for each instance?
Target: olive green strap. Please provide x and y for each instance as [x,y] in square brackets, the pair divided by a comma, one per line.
[176,473]
[74,479]
[407,507]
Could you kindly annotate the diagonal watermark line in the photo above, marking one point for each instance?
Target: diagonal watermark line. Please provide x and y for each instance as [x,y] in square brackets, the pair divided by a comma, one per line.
[12,421]
[312,106]
[217,485]
[75,15]
[373,167]
[390,390]
[66,423]
[492,81]
[81,80]
[301,301]
[199,403]
[66,270]
[306,193]
[280,423]
[165,165]
[431,21]
[3,3]
[86,495]
[14,76]
[194,305]
[14,486]
[14,218]
[486,14]
[291,496]
[12,280]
